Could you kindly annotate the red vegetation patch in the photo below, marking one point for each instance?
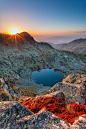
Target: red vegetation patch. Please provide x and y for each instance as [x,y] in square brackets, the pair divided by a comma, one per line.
[56,106]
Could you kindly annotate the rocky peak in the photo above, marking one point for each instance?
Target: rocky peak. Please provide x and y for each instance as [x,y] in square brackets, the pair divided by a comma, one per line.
[27,37]
[19,38]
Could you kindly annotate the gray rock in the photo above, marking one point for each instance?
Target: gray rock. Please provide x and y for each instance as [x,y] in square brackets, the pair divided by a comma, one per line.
[75,78]
[80,123]
[10,111]
[74,93]
[57,94]
[43,119]
[8,89]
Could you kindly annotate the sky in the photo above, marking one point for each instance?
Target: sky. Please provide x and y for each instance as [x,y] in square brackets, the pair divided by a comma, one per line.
[44,17]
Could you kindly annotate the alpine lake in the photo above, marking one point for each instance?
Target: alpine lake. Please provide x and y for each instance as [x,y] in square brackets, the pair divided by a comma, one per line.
[47,77]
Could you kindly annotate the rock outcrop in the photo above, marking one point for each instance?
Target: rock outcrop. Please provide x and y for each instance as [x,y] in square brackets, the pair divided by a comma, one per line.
[80,123]
[73,88]
[10,111]
[13,115]
[8,89]
[76,79]
[44,120]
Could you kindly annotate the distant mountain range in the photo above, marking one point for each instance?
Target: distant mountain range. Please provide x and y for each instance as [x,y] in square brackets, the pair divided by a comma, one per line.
[77,46]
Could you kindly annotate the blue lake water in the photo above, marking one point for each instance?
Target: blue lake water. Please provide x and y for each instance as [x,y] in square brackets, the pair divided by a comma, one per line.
[76,64]
[47,77]
[63,67]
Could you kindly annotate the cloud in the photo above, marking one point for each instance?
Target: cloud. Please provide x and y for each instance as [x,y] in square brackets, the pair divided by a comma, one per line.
[80,31]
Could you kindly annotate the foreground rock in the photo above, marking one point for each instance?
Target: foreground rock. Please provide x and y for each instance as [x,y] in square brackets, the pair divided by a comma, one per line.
[10,112]
[73,88]
[13,115]
[71,92]
[57,94]
[43,119]
[80,123]
[75,78]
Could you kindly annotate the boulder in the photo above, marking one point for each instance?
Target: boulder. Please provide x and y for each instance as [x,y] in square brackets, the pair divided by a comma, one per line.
[10,111]
[74,93]
[8,89]
[75,78]
[42,120]
[80,123]
[73,87]
[13,115]
[57,94]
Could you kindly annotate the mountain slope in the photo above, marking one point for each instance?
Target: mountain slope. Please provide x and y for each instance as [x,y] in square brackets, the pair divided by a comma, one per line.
[77,46]
[20,39]
[20,58]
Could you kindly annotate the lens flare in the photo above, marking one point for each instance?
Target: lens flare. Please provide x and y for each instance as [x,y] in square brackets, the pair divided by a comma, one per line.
[14,31]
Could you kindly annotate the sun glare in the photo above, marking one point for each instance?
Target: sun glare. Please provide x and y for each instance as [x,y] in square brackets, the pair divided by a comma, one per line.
[14,31]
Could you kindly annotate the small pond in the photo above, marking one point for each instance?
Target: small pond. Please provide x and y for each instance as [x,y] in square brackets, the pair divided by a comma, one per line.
[63,67]
[47,77]
[76,64]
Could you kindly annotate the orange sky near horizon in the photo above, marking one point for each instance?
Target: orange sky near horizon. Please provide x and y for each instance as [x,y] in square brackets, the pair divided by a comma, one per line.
[43,17]
[39,33]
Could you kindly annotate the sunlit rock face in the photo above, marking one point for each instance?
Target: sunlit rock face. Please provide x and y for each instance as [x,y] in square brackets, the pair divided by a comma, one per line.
[80,123]
[21,39]
[75,78]
[17,39]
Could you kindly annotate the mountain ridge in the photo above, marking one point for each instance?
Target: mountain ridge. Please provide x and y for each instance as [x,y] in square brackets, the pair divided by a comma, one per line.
[77,46]
[20,39]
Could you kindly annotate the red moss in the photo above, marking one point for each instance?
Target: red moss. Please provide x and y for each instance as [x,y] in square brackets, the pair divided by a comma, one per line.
[56,106]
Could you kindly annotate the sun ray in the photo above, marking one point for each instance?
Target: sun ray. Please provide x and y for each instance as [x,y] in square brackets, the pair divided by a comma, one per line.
[15,40]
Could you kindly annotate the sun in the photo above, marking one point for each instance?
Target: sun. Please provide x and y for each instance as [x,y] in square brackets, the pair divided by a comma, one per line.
[14,31]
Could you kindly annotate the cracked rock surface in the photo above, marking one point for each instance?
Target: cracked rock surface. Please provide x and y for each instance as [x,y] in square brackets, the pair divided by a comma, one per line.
[13,115]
